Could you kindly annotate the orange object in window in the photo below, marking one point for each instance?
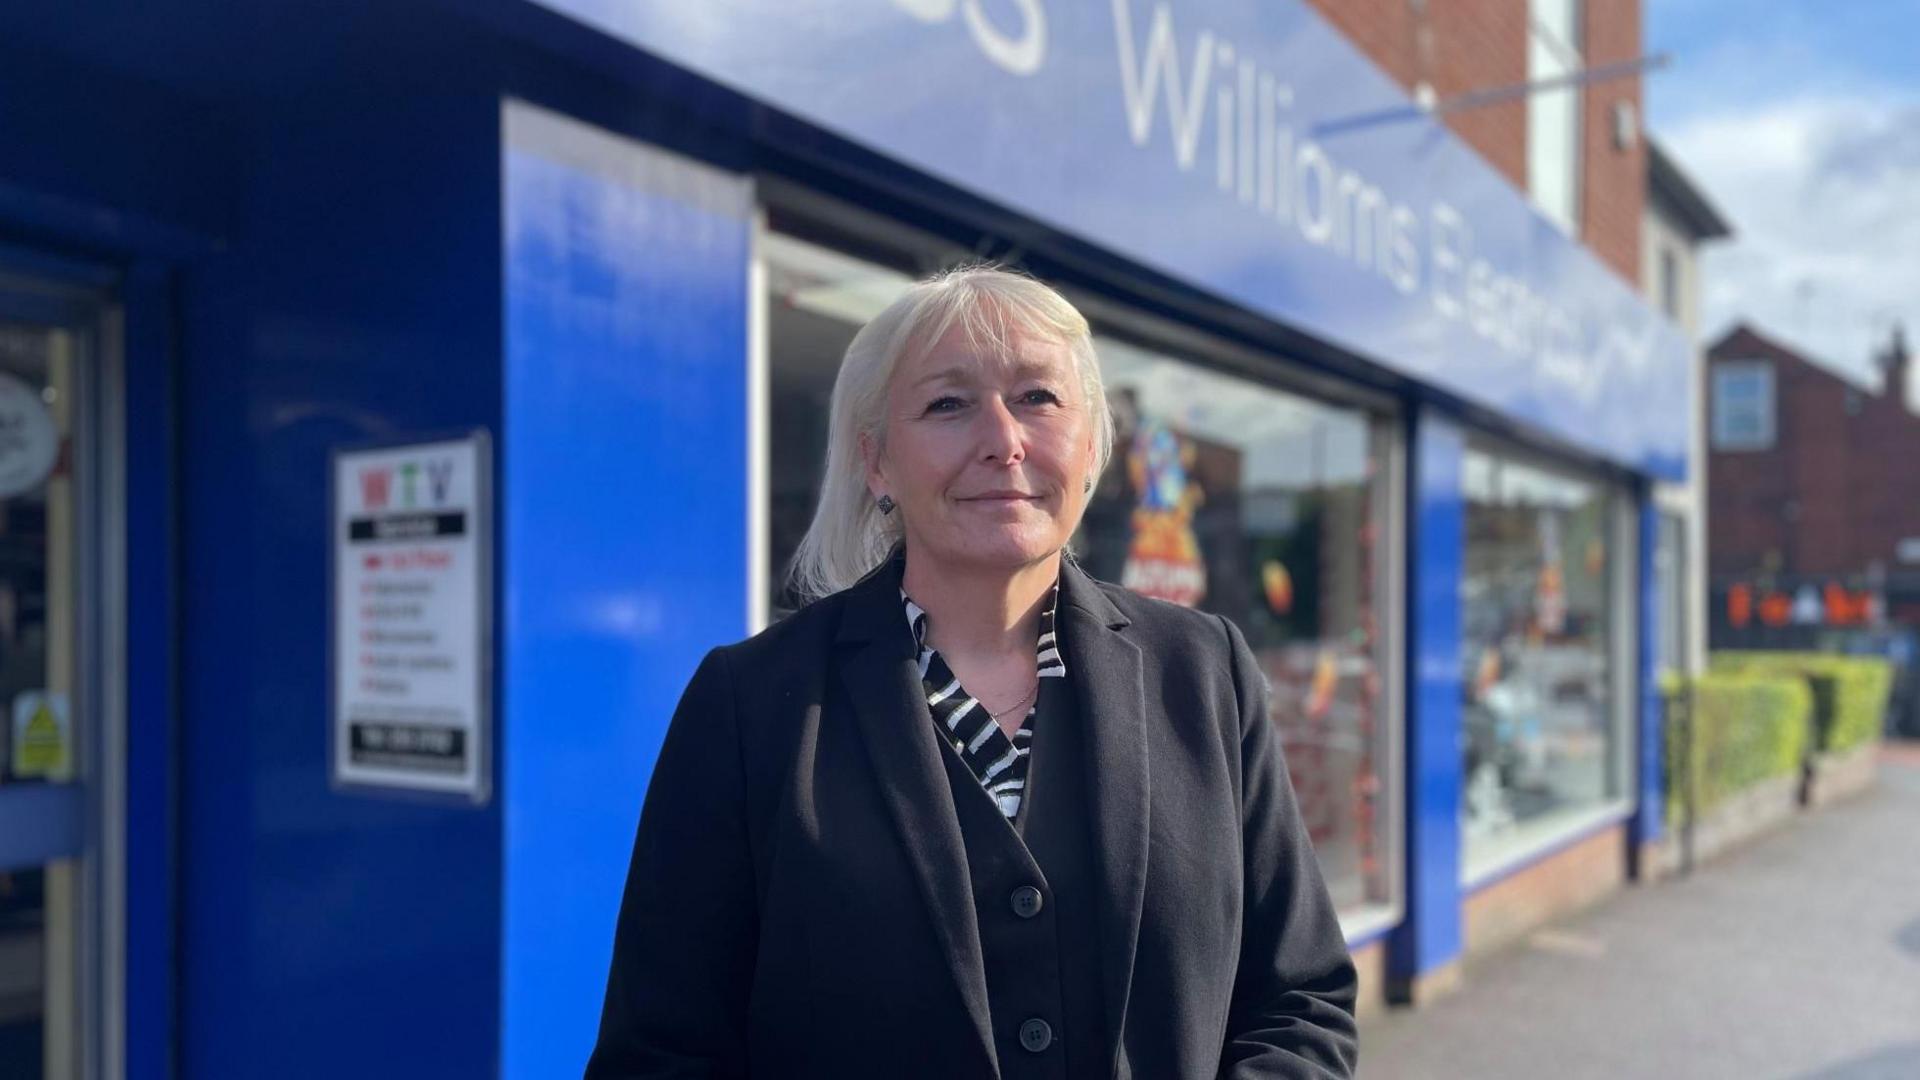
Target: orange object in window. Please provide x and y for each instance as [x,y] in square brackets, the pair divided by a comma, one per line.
[1739,605]
[1776,609]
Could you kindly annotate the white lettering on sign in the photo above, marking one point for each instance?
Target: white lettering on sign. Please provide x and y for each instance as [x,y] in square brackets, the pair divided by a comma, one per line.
[1140,80]
[1287,176]
[1022,54]
[1260,160]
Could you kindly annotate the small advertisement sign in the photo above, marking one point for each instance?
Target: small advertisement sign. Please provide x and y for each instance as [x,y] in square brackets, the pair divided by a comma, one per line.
[412,616]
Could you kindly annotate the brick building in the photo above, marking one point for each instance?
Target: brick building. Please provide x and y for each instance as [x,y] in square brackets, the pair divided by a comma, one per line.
[1812,493]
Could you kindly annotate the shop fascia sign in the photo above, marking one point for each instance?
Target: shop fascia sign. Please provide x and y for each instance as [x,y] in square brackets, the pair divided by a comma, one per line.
[1279,173]
[1020,52]
[1288,177]
[1244,146]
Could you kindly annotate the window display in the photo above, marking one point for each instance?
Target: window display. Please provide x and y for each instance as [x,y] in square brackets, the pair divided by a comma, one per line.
[1259,505]
[1541,727]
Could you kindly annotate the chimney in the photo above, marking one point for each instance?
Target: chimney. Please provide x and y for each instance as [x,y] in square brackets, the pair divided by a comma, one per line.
[1893,367]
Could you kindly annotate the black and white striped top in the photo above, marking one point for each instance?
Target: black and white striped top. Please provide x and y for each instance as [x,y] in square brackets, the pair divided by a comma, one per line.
[999,762]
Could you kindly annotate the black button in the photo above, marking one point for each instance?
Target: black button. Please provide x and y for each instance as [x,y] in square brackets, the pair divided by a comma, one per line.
[1036,1035]
[1027,901]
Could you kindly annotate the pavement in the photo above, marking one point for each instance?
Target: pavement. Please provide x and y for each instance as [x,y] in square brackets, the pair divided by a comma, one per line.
[1796,957]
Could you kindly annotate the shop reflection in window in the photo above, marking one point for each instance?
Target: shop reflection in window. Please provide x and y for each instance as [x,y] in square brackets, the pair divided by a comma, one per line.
[1539,727]
[1223,495]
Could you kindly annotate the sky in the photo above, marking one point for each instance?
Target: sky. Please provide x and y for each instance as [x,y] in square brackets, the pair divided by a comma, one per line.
[1801,122]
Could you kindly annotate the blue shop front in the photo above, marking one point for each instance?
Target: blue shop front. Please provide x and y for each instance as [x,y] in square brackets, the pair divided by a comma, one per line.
[401,398]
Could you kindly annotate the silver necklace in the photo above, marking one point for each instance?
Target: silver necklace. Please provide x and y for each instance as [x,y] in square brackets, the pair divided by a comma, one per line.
[1024,699]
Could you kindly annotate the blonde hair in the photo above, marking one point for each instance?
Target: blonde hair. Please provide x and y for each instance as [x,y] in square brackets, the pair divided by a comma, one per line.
[849,535]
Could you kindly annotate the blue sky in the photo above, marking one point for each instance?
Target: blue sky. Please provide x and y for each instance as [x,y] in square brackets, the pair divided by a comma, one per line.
[1801,121]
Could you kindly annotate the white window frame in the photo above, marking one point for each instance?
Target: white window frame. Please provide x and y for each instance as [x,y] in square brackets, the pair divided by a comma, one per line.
[1554,177]
[1672,575]
[1767,397]
[1670,281]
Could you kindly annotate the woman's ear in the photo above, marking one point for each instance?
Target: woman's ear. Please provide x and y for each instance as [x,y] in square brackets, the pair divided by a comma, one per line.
[870,456]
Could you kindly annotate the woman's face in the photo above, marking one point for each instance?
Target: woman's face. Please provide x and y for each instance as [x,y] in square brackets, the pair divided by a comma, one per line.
[987,451]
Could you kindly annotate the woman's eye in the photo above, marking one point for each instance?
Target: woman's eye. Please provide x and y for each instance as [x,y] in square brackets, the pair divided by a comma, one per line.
[1040,397]
[945,404]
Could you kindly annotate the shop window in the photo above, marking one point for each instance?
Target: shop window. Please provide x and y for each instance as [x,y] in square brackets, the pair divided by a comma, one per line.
[816,300]
[48,962]
[1223,495]
[1743,405]
[1545,745]
[1553,114]
[1261,505]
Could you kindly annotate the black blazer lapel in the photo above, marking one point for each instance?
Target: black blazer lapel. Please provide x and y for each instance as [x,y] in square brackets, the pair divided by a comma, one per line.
[1105,667]
[878,670]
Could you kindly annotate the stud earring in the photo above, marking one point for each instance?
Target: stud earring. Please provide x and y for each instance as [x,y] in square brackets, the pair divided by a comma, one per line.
[886,504]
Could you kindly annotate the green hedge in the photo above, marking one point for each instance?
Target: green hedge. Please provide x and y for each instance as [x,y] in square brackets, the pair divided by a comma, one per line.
[1746,728]
[1850,692]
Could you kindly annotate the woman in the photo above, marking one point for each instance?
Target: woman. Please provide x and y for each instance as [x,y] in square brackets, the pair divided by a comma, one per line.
[970,812]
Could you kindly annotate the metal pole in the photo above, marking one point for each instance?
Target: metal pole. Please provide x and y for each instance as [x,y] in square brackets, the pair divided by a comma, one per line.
[1689,795]
[1474,99]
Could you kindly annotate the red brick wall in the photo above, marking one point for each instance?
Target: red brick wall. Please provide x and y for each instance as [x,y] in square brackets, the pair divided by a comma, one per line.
[1383,29]
[1563,883]
[1885,460]
[1370,963]
[1479,44]
[1614,191]
[1752,495]
[1464,45]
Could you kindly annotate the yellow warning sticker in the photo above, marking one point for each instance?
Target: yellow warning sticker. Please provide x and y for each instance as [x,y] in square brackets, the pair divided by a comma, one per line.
[42,737]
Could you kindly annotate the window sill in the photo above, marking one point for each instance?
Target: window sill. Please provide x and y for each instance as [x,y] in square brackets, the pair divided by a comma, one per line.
[1366,925]
[1539,840]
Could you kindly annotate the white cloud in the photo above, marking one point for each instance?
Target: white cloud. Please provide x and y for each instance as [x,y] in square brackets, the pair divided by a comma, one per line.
[1823,191]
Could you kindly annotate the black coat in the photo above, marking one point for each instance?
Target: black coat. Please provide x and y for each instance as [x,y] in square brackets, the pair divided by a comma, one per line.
[799,901]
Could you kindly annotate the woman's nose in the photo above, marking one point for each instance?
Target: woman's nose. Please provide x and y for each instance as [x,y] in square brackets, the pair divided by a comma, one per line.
[1001,438]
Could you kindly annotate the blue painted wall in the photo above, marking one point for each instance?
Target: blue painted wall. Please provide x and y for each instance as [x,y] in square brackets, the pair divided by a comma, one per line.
[306,225]
[101,158]
[357,297]
[152,618]
[1649,817]
[1429,937]
[305,205]
[625,529]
